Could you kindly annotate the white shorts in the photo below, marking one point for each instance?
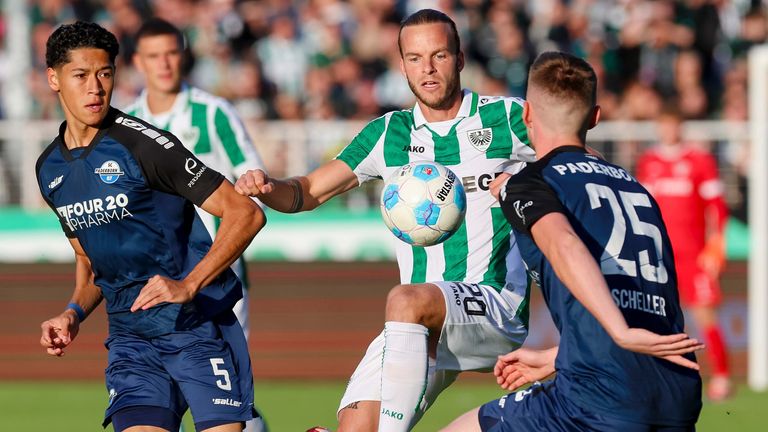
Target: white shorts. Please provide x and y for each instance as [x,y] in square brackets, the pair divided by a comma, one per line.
[480,324]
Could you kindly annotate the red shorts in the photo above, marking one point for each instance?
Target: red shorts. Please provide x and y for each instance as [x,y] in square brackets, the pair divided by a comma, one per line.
[696,287]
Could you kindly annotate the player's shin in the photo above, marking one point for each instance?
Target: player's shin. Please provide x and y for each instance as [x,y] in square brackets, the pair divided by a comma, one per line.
[404,374]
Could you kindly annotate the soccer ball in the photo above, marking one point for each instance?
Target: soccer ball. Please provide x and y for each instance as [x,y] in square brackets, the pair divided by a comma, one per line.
[423,203]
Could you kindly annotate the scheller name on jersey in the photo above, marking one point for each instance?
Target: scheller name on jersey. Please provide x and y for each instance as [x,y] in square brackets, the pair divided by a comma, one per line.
[128,199]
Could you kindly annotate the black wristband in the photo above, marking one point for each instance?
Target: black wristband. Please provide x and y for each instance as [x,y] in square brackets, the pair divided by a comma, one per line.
[298,196]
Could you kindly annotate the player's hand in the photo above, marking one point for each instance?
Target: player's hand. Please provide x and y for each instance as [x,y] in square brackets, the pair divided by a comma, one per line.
[495,187]
[712,258]
[254,183]
[523,366]
[58,332]
[161,289]
[670,347]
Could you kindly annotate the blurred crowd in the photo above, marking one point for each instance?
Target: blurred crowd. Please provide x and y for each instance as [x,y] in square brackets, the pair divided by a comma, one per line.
[334,59]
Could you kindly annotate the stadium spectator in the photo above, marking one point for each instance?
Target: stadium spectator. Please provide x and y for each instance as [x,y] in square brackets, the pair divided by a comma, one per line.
[124,194]
[447,299]
[565,209]
[685,182]
[629,41]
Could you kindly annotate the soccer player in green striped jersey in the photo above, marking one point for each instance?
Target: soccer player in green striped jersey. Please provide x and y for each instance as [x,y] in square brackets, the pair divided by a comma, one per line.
[207,125]
[460,303]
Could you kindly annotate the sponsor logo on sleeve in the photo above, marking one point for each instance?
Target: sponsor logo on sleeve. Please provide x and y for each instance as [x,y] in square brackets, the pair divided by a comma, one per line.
[519,207]
[190,165]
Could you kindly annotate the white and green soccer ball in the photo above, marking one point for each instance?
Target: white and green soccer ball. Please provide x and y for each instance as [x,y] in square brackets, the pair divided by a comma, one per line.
[423,203]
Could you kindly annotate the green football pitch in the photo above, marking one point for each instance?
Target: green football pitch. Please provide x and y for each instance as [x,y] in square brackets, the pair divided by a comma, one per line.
[295,406]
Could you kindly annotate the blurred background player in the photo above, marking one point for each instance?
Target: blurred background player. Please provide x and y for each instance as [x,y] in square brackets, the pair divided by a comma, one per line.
[472,287]
[124,195]
[207,125]
[684,181]
[568,213]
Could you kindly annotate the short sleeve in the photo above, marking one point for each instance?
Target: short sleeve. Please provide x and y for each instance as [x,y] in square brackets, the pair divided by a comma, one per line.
[358,153]
[169,167]
[526,198]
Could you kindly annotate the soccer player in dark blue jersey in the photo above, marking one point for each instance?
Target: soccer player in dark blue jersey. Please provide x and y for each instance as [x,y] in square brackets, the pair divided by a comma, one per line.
[593,239]
[125,193]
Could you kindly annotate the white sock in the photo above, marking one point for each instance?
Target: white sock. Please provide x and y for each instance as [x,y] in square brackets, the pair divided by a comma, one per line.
[403,374]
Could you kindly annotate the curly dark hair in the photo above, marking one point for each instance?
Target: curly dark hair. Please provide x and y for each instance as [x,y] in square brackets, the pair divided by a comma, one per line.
[81,34]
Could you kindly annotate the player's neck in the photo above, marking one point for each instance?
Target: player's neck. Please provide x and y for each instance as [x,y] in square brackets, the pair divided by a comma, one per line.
[160,102]
[78,134]
[546,144]
[432,115]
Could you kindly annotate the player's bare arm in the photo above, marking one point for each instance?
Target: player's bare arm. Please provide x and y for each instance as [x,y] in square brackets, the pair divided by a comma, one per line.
[577,269]
[241,219]
[59,331]
[524,366]
[298,193]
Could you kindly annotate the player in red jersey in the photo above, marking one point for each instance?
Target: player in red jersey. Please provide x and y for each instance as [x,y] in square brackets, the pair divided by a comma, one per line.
[684,180]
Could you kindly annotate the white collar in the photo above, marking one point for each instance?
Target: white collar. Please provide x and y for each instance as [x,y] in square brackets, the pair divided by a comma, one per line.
[464,110]
[179,104]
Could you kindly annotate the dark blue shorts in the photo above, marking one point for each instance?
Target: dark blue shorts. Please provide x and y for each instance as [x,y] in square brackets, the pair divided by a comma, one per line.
[542,408]
[206,369]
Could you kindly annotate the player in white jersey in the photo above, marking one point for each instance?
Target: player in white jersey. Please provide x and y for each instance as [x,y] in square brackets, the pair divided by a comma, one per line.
[461,303]
[207,125]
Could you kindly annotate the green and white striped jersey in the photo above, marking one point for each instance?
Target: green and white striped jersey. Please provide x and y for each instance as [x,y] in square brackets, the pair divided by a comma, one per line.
[487,137]
[210,128]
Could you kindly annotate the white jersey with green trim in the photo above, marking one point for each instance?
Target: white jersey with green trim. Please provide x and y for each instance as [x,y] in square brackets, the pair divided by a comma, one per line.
[210,128]
[487,137]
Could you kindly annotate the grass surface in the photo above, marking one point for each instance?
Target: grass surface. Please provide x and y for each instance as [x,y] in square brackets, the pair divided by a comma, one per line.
[296,406]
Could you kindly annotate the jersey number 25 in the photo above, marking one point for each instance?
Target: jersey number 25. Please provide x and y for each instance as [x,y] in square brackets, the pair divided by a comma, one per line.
[610,263]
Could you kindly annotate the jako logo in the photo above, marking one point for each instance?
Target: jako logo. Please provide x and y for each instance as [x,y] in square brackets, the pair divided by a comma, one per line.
[393,414]
[190,165]
[413,149]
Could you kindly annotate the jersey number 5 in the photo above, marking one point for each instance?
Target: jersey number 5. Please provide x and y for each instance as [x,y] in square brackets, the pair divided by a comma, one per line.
[224,383]
[610,263]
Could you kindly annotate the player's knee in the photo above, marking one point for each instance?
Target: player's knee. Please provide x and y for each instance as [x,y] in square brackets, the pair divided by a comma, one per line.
[412,303]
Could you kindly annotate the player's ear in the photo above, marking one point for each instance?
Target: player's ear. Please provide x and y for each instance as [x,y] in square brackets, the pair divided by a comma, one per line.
[53,79]
[527,114]
[594,117]
[460,61]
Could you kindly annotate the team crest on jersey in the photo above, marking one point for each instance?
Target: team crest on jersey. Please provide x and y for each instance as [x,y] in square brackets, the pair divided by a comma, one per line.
[190,136]
[480,138]
[109,172]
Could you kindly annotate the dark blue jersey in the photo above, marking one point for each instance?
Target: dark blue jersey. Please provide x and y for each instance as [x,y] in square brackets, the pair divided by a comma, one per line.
[129,197]
[621,225]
